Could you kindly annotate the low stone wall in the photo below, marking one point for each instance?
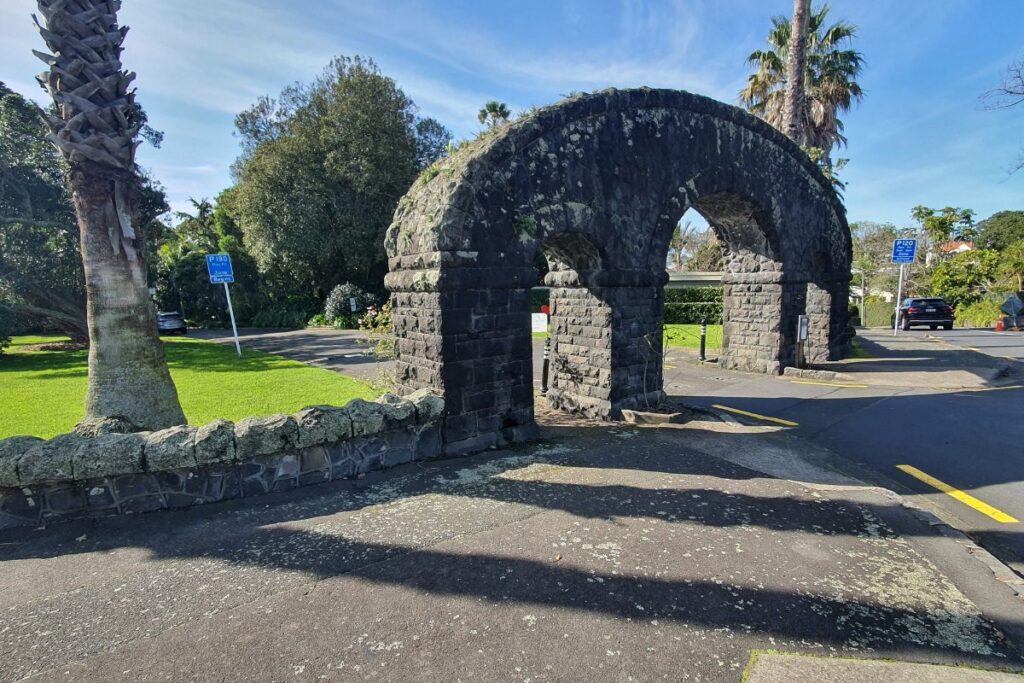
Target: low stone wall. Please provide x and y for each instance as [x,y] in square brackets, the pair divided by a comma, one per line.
[73,476]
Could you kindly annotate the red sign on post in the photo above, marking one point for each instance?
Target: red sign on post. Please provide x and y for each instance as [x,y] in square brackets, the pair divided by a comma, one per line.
[545,309]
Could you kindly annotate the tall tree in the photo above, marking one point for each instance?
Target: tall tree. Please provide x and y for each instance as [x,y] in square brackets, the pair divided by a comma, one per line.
[321,172]
[830,85]
[96,127]
[494,114]
[943,225]
[796,66]
[1001,229]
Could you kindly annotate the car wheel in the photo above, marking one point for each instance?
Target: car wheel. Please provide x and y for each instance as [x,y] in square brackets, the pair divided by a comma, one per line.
[947,326]
[906,323]
[933,327]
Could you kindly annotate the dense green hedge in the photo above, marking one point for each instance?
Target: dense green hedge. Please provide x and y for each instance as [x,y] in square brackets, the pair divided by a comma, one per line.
[982,313]
[877,313]
[692,314]
[693,295]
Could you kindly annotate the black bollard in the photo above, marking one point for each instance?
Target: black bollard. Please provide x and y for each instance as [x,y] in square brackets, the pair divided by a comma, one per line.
[544,371]
[703,337]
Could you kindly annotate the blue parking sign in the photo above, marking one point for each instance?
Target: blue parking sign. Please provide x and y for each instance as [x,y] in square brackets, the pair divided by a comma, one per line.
[904,251]
[219,267]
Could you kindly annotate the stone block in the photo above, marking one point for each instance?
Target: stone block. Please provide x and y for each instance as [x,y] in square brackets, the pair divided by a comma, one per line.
[49,460]
[109,455]
[367,417]
[170,449]
[215,443]
[256,436]
[64,500]
[429,406]
[398,411]
[11,451]
[318,425]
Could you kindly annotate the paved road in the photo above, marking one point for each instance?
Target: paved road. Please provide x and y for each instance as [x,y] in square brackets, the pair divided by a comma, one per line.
[1006,345]
[971,439]
[604,554]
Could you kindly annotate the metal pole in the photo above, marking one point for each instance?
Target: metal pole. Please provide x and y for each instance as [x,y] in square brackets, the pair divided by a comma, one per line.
[703,337]
[231,312]
[544,371]
[899,298]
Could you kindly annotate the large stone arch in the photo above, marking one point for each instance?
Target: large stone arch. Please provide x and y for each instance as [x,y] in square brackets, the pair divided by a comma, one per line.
[597,183]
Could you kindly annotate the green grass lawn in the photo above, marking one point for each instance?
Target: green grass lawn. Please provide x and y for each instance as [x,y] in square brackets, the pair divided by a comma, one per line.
[681,337]
[43,392]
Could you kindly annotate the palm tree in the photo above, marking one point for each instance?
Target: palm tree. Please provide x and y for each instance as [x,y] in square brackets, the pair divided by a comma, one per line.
[830,83]
[96,127]
[796,63]
[494,114]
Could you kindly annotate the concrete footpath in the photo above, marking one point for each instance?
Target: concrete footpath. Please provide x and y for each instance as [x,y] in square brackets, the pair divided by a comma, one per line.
[601,553]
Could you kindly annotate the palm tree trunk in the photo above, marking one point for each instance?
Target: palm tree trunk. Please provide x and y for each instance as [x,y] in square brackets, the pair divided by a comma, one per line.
[96,129]
[128,374]
[796,64]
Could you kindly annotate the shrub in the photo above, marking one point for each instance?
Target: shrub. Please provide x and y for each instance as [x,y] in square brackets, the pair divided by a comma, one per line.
[979,314]
[693,313]
[377,325]
[877,312]
[539,297]
[318,320]
[7,323]
[854,315]
[693,295]
[339,301]
[281,315]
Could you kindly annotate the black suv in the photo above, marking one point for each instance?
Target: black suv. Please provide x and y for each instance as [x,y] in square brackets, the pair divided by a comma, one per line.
[931,312]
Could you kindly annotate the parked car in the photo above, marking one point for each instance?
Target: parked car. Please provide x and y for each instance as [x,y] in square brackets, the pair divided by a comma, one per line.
[931,312]
[171,322]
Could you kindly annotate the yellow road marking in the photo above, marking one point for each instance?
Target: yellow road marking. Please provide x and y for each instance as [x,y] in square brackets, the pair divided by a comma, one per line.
[669,367]
[777,420]
[965,498]
[828,384]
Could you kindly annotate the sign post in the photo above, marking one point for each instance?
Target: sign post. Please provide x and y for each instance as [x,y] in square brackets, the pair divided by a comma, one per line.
[219,267]
[903,252]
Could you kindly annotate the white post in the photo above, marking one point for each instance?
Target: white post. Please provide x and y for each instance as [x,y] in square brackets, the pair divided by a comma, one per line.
[899,298]
[231,312]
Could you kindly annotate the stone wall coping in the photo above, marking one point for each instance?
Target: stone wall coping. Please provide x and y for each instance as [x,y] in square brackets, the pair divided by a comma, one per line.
[77,457]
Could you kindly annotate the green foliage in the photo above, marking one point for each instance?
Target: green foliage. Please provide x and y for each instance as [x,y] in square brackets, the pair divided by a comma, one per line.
[964,278]
[943,225]
[831,72]
[318,320]
[854,313]
[321,172]
[877,312]
[690,295]
[282,315]
[44,391]
[339,303]
[379,328]
[41,274]
[1001,229]
[494,114]
[693,313]
[1011,266]
[982,313]
[708,257]
[7,324]
[539,297]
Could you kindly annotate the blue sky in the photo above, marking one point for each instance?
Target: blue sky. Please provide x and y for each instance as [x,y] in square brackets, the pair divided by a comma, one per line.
[920,136]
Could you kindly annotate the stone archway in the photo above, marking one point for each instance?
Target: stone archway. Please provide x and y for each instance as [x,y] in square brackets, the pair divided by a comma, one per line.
[596,183]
